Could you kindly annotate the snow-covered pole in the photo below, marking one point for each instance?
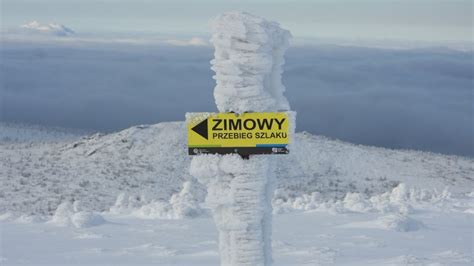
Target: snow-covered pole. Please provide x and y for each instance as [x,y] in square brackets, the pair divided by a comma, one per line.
[248,65]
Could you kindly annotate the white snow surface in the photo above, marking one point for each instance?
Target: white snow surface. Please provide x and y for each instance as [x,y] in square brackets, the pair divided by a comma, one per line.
[299,238]
[126,198]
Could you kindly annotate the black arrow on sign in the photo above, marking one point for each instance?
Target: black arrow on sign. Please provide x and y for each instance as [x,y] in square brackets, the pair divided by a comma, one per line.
[201,129]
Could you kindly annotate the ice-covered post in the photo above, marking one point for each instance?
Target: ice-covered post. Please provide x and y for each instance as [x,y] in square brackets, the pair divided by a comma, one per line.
[248,65]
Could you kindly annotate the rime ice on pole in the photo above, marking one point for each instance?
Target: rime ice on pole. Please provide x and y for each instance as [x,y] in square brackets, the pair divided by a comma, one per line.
[248,62]
[248,65]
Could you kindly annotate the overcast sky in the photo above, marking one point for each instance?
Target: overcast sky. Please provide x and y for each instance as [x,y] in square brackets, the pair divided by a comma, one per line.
[422,20]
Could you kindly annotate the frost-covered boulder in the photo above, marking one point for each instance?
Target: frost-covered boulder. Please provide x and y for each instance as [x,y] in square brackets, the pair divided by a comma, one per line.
[356,202]
[184,204]
[62,216]
[68,214]
[187,202]
[125,203]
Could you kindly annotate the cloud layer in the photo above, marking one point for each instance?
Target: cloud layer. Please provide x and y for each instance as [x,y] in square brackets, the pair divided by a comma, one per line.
[416,99]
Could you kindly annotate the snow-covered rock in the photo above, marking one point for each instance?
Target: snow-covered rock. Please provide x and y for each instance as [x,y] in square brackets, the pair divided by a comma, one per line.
[68,214]
[400,200]
[185,204]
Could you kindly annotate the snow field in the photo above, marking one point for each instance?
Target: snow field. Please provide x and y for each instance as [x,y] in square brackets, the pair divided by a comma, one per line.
[299,238]
[335,203]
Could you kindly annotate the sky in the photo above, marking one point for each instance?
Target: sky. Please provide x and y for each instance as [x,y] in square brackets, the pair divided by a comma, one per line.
[415,20]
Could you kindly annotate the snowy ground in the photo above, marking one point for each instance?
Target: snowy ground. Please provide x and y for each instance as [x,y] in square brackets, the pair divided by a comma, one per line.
[302,238]
[150,163]
[127,198]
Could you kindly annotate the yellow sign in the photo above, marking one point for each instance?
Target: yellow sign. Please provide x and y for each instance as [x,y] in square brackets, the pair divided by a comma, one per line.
[247,133]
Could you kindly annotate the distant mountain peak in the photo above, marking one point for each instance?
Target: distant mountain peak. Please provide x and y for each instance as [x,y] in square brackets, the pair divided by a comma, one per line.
[50,28]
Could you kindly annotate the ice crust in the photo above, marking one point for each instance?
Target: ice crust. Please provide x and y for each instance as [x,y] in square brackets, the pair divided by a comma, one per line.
[248,63]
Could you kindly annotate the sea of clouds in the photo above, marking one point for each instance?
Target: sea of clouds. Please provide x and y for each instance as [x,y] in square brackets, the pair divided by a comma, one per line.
[419,98]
